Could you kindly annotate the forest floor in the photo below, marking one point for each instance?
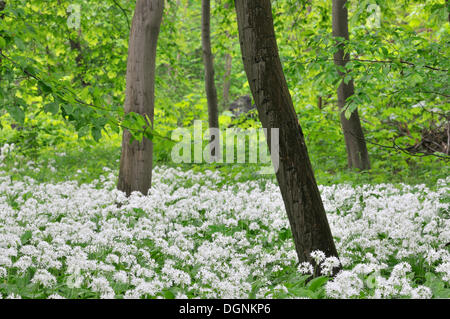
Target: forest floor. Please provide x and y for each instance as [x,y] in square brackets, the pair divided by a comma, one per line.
[210,232]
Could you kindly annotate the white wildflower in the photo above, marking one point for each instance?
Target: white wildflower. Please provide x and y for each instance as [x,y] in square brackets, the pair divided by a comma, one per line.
[305,268]
[43,277]
[318,256]
[346,284]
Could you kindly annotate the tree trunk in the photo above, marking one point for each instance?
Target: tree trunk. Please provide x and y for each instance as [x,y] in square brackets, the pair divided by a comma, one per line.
[137,158]
[75,45]
[2,7]
[227,81]
[210,87]
[228,68]
[357,155]
[295,176]
[448,9]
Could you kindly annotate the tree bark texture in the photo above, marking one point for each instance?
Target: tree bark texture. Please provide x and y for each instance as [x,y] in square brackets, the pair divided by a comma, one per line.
[227,81]
[357,155]
[137,158]
[295,175]
[210,87]
[75,45]
[2,7]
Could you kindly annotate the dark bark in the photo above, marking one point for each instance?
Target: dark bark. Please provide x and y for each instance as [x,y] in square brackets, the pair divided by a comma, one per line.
[210,87]
[137,158]
[2,7]
[295,175]
[448,9]
[75,45]
[227,75]
[323,101]
[357,155]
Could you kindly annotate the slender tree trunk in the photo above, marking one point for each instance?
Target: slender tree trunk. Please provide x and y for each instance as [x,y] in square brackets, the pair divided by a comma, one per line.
[2,7]
[227,75]
[295,176]
[137,158]
[448,10]
[75,45]
[357,155]
[210,87]
[227,80]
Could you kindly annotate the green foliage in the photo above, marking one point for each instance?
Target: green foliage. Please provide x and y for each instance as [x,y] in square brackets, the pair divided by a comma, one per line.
[62,95]
[400,68]
[63,85]
[437,286]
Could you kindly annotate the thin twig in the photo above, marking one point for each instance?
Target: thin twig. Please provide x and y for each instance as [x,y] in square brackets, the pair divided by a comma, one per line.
[124,12]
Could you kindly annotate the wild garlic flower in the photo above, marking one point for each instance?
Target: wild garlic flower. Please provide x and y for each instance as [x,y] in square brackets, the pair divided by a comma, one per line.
[327,266]
[43,277]
[189,233]
[305,268]
[318,256]
[346,284]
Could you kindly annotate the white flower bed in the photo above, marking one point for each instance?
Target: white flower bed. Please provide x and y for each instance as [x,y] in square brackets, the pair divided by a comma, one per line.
[188,238]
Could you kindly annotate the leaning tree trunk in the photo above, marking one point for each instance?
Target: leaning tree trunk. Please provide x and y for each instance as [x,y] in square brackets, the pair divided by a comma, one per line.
[295,176]
[210,87]
[137,158]
[357,155]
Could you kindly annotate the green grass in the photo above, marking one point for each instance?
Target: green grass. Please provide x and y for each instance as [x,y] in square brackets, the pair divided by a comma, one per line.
[85,162]
[85,159]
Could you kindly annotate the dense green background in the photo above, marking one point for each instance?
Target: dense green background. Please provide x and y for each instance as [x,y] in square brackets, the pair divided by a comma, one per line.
[68,100]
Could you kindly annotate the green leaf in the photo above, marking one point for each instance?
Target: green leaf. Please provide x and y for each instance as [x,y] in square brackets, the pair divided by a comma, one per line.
[25,238]
[84,94]
[45,88]
[148,134]
[83,131]
[132,139]
[317,283]
[68,108]
[347,79]
[2,43]
[19,43]
[348,113]
[169,294]
[96,133]
[16,113]
[52,108]
[30,70]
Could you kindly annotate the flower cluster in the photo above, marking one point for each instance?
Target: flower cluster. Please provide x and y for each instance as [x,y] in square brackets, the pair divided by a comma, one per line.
[189,238]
